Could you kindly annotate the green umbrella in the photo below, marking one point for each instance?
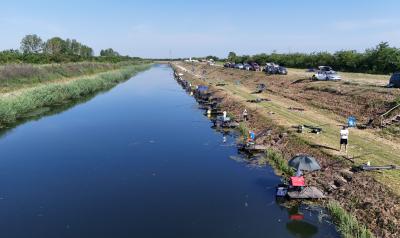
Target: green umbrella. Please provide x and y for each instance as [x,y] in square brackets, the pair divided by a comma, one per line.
[304,163]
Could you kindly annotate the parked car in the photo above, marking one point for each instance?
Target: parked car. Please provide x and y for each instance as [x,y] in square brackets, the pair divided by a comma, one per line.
[227,65]
[210,62]
[326,75]
[394,81]
[247,66]
[254,66]
[282,70]
[272,68]
[268,68]
[239,66]
[326,69]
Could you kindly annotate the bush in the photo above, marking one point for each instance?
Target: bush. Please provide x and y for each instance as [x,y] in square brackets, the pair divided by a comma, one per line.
[382,59]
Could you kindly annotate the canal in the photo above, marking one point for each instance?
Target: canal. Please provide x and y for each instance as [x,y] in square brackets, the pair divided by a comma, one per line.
[140,160]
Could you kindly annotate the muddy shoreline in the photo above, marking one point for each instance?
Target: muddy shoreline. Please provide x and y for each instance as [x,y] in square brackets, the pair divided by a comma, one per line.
[373,204]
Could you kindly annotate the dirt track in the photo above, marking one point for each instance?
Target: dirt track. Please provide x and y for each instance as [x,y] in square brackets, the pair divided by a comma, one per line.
[361,194]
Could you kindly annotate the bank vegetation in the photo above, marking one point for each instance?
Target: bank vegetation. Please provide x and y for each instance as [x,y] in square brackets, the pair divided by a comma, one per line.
[15,107]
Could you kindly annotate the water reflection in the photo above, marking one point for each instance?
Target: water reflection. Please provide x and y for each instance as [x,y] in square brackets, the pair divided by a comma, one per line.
[297,224]
[47,111]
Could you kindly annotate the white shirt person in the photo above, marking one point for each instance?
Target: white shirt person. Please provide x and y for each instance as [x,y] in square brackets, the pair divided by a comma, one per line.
[344,137]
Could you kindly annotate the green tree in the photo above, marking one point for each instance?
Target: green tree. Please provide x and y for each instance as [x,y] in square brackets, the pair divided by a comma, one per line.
[383,58]
[232,57]
[215,58]
[55,46]
[109,53]
[86,51]
[75,47]
[72,47]
[347,60]
[31,44]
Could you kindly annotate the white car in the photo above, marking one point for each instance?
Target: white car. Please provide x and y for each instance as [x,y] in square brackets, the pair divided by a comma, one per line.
[325,69]
[328,76]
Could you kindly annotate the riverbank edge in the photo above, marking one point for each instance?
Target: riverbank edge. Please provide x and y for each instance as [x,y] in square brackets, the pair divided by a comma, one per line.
[15,77]
[15,107]
[346,223]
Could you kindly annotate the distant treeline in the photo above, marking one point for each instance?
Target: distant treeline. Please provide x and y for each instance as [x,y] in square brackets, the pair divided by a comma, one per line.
[382,59]
[57,50]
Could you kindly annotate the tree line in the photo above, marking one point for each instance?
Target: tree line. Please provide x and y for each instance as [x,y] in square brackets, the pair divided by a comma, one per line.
[382,59]
[56,50]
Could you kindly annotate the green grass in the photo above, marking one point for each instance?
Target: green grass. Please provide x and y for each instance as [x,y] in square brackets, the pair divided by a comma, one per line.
[391,130]
[278,162]
[372,150]
[347,225]
[243,130]
[397,101]
[15,75]
[15,107]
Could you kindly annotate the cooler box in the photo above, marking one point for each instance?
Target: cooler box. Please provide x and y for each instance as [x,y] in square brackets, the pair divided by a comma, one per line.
[297,181]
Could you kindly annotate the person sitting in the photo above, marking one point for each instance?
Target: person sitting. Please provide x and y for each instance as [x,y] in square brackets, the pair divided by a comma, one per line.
[299,173]
[251,137]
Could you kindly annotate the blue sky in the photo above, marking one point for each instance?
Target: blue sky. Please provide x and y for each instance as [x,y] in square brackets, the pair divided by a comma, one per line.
[197,28]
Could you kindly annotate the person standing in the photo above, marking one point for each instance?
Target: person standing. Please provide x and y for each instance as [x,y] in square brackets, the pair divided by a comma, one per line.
[245,116]
[224,115]
[344,137]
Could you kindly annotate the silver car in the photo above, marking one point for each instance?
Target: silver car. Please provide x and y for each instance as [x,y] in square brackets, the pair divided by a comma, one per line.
[239,66]
[326,75]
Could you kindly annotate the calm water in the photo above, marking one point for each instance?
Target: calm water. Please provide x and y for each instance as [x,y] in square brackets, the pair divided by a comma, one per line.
[138,161]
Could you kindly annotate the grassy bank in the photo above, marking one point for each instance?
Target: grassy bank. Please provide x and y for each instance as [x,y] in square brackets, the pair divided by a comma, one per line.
[275,116]
[348,226]
[14,107]
[277,161]
[13,76]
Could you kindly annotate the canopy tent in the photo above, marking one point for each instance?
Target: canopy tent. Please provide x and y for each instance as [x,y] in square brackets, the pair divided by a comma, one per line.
[304,162]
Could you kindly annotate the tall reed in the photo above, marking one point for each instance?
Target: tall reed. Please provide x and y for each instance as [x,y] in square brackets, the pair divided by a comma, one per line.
[347,225]
[14,107]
